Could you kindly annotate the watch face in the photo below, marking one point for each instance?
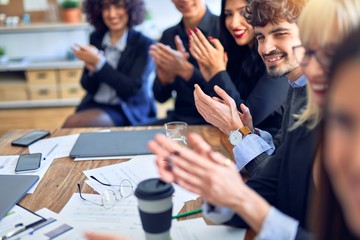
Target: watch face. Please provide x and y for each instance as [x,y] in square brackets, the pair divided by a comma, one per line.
[235,137]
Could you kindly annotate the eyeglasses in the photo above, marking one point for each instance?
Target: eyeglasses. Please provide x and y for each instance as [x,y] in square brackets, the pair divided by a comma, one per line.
[303,55]
[110,197]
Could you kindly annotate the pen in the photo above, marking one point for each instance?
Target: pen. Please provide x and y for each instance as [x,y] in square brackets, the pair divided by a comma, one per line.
[51,150]
[199,210]
[18,228]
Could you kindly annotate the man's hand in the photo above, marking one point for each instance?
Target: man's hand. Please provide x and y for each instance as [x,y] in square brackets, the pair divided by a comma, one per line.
[172,62]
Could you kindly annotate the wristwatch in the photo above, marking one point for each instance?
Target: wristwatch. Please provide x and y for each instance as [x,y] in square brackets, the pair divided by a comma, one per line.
[236,136]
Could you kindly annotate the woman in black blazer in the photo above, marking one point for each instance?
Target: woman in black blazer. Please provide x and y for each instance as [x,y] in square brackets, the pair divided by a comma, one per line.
[118,68]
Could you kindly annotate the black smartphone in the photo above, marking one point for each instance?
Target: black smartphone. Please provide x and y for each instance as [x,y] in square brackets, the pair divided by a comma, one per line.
[28,163]
[30,138]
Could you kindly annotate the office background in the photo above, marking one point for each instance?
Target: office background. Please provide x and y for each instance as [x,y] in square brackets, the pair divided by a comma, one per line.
[43,48]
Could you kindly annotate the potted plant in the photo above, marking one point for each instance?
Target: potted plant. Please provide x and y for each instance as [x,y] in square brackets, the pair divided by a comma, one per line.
[3,57]
[71,12]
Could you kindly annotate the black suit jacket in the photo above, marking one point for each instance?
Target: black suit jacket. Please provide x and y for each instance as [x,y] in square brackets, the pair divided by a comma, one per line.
[286,180]
[185,109]
[130,79]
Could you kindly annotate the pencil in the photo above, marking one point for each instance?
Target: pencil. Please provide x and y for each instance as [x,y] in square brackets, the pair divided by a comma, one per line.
[192,212]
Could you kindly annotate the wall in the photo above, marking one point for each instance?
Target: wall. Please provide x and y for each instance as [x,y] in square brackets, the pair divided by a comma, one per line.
[56,44]
[164,14]
[41,45]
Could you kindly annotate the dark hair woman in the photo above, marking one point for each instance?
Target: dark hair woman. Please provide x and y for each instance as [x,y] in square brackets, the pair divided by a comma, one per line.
[118,68]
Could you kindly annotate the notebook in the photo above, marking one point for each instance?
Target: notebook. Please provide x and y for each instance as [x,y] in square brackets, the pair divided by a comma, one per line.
[12,189]
[107,144]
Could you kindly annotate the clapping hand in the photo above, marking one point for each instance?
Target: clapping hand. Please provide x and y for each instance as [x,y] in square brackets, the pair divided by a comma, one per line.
[171,62]
[222,112]
[209,54]
[202,171]
[89,54]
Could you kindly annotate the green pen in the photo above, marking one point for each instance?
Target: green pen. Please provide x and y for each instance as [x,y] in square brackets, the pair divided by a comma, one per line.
[192,212]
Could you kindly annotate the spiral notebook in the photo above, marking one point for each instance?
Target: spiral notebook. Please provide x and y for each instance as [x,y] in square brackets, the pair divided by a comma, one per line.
[117,143]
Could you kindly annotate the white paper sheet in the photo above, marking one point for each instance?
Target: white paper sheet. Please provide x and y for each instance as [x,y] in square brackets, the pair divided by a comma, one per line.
[195,229]
[136,170]
[63,146]
[8,163]
[122,219]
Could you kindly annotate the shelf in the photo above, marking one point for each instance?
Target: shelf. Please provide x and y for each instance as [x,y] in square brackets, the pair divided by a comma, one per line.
[45,27]
[23,65]
[39,103]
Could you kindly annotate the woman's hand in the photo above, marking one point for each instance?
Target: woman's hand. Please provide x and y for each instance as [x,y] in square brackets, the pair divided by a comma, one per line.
[88,54]
[222,112]
[209,55]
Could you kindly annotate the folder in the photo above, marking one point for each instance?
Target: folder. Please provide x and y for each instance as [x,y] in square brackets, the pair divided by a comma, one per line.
[116,143]
[12,189]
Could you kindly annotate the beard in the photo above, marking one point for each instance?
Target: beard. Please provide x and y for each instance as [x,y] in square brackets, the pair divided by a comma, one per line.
[281,70]
[285,67]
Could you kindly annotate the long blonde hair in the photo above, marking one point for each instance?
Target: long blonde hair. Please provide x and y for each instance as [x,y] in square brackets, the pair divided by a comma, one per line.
[316,23]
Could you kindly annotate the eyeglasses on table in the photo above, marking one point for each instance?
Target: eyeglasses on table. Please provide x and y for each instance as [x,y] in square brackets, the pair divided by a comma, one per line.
[109,197]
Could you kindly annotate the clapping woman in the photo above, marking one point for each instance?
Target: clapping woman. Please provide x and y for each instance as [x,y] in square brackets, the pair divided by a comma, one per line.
[336,211]
[118,67]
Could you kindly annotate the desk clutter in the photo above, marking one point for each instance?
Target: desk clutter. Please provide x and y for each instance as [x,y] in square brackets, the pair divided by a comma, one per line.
[119,214]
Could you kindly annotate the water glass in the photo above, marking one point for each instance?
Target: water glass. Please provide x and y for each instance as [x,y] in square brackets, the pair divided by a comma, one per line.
[176,131]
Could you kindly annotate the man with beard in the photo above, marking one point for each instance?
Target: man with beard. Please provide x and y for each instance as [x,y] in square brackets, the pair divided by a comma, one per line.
[277,33]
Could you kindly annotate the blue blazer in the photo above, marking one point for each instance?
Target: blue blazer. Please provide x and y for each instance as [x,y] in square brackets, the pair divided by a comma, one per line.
[130,80]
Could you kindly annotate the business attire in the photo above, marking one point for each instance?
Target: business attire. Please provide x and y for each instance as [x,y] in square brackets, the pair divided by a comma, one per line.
[285,182]
[121,84]
[185,109]
[255,150]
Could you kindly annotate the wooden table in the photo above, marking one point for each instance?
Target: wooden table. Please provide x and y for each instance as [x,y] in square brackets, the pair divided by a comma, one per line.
[59,182]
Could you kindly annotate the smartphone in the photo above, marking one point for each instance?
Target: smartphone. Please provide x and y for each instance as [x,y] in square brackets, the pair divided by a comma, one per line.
[28,163]
[30,138]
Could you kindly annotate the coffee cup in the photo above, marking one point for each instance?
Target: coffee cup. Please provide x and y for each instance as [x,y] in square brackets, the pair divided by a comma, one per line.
[155,208]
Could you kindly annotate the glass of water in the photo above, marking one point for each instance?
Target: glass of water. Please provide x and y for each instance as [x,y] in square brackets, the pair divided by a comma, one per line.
[176,131]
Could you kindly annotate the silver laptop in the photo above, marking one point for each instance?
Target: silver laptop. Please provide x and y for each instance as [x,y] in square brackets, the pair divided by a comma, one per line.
[116,143]
[12,189]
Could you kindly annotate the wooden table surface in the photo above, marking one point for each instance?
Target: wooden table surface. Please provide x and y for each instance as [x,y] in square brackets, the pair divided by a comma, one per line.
[59,182]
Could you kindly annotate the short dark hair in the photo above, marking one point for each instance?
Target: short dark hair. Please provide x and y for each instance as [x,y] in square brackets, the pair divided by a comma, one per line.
[93,10]
[261,12]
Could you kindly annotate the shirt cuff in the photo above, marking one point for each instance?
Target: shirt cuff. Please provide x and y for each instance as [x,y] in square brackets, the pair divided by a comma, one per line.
[101,63]
[277,225]
[266,136]
[249,148]
[217,214]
